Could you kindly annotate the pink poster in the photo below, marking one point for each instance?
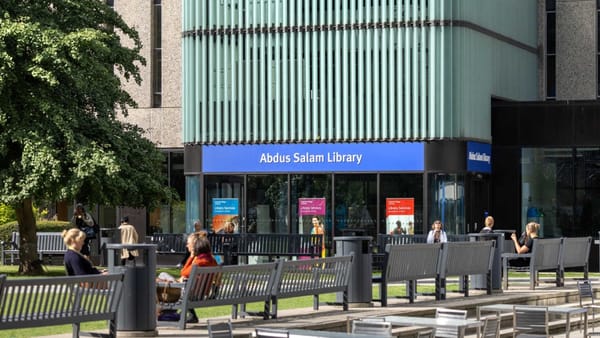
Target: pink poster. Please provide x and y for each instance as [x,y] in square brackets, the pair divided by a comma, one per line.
[311,206]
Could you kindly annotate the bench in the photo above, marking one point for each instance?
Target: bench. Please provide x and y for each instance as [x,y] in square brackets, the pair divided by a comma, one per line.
[237,285]
[48,244]
[267,245]
[411,262]
[424,263]
[462,259]
[312,277]
[545,255]
[575,253]
[384,239]
[167,243]
[61,300]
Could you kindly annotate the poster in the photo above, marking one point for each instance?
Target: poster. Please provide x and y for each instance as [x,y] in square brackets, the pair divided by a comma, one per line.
[400,215]
[307,208]
[225,210]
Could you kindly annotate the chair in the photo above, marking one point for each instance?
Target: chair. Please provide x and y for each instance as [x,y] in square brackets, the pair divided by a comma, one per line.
[491,327]
[375,328]
[220,329]
[264,332]
[451,314]
[586,291]
[530,321]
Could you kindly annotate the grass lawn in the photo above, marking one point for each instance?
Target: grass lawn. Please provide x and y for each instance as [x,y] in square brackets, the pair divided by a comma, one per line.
[217,311]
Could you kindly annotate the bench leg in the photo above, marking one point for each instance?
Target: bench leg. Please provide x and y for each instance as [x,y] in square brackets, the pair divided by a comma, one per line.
[274,307]
[440,288]
[112,328]
[504,273]
[383,293]
[411,291]
[345,300]
[76,330]
[267,311]
[315,302]
[532,279]
[488,282]
[465,281]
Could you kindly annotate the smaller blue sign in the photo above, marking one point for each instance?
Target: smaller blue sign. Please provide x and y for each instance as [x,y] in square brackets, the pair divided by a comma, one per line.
[225,206]
[479,157]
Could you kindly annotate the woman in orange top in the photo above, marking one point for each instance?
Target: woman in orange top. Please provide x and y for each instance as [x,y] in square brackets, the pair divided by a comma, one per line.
[201,255]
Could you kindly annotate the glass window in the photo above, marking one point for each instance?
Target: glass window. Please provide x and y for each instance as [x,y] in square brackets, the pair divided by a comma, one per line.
[310,186]
[221,186]
[546,189]
[447,201]
[267,204]
[356,203]
[403,186]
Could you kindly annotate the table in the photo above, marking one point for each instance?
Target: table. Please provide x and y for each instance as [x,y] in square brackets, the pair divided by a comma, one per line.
[557,310]
[300,333]
[460,325]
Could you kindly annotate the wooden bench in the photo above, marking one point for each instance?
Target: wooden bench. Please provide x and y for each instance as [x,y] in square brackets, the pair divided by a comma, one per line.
[544,256]
[574,253]
[312,277]
[61,300]
[48,244]
[237,285]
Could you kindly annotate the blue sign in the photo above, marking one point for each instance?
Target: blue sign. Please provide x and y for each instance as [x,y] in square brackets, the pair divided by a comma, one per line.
[325,157]
[479,157]
[225,206]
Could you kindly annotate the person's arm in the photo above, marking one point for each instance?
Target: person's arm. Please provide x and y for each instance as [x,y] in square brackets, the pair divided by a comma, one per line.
[88,220]
[521,249]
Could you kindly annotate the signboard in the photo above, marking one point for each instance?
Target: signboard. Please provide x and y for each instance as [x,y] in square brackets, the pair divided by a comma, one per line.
[400,216]
[225,210]
[307,209]
[322,157]
[479,157]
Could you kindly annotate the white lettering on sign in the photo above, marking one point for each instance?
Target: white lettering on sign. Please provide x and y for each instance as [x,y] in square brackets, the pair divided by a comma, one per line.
[306,157]
[481,157]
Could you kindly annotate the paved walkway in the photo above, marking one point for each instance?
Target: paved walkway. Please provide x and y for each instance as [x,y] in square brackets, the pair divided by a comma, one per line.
[332,318]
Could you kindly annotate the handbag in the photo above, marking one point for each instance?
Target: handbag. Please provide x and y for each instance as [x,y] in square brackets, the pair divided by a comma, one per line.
[90,232]
[168,294]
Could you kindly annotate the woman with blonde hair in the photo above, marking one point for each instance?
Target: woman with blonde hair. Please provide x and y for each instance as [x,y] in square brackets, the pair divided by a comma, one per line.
[531,232]
[75,262]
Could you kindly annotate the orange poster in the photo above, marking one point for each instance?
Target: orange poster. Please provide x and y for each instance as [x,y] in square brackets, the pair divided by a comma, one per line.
[400,215]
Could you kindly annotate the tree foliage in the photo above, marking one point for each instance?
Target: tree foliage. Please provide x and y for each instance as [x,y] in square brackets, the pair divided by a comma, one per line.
[61,67]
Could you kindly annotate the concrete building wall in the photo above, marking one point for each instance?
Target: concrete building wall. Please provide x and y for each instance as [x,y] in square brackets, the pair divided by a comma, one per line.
[162,124]
[576,50]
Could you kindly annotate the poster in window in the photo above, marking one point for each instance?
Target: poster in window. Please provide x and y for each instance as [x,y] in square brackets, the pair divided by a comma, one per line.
[400,216]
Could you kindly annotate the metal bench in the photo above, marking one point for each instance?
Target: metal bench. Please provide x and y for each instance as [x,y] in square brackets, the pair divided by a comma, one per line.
[385,239]
[167,243]
[312,277]
[466,258]
[61,300]
[48,244]
[424,259]
[545,255]
[267,245]
[234,285]
[237,285]
[574,253]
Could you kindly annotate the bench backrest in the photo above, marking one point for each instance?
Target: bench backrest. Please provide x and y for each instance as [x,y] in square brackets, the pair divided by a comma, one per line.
[220,285]
[384,239]
[169,243]
[46,241]
[467,258]
[424,261]
[575,251]
[304,277]
[545,253]
[59,300]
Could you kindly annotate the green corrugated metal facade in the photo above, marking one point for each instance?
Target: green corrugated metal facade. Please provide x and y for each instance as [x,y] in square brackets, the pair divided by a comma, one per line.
[271,71]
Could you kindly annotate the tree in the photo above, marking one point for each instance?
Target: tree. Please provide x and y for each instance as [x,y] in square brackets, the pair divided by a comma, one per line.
[61,67]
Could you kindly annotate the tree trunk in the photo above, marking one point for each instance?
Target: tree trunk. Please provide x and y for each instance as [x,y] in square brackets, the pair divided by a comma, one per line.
[29,264]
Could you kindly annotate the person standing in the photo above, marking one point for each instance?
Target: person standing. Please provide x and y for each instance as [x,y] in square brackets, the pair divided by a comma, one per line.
[128,236]
[319,229]
[84,221]
[437,233]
